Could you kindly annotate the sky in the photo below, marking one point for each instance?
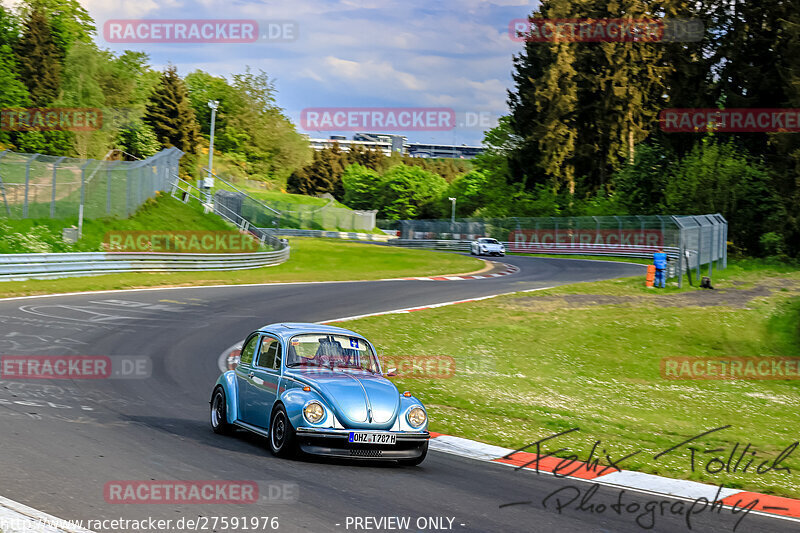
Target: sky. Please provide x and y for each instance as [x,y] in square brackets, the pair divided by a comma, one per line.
[417,54]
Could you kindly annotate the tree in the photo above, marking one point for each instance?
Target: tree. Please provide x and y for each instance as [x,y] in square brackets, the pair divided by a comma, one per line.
[361,187]
[580,108]
[410,192]
[169,113]
[138,140]
[639,186]
[470,190]
[721,178]
[38,59]
[70,23]
[322,175]
[249,123]
[13,93]
[371,158]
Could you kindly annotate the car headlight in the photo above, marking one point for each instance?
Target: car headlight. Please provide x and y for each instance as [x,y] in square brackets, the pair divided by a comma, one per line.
[416,417]
[314,412]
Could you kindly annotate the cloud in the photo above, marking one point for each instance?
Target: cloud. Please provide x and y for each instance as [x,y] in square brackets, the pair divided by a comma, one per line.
[352,52]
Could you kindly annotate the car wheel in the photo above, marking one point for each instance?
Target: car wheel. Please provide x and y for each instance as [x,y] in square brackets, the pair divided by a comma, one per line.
[219,413]
[281,434]
[416,460]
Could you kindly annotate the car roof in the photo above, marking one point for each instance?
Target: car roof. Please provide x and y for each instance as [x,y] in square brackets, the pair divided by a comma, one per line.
[288,329]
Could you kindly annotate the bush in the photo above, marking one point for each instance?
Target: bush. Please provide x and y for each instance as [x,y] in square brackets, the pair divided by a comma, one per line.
[772,244]
[411,192]
[361,187]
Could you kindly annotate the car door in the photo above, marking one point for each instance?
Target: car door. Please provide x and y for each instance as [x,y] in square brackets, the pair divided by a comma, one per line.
[244,373]
[263,388]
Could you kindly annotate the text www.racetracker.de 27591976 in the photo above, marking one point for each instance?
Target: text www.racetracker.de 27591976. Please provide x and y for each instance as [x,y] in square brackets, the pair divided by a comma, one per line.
[145,525]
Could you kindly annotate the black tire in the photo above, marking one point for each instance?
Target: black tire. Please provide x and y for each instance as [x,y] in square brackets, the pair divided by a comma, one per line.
[416,460]
[282,442]
[219,413]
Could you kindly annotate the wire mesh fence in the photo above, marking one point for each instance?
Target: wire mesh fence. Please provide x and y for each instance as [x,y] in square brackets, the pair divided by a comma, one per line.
[44,186]
[275,214]
[689,241]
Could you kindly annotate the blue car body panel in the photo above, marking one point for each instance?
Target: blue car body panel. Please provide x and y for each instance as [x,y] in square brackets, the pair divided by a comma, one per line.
[356,400]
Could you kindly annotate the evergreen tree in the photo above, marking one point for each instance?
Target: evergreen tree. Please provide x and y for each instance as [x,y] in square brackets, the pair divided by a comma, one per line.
[13,92]
[322,175]
[38,59]
[169,113]
[70,23]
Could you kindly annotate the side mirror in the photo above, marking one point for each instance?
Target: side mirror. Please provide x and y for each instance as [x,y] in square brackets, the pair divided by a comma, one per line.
[391,373]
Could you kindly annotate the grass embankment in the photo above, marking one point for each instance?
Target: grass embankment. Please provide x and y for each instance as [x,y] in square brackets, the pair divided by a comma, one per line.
[311,260]
[162,213]
[530,365]
[272,197]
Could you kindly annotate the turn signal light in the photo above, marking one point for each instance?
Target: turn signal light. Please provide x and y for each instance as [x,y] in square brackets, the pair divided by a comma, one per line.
[407,394]
[306,389]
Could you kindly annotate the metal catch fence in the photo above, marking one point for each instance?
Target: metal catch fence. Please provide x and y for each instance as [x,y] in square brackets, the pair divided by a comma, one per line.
[44,186]
[264,212]
[689,241]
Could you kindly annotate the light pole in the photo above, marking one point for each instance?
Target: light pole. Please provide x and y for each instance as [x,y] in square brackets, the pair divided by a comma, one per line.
[452,214]
[209,182]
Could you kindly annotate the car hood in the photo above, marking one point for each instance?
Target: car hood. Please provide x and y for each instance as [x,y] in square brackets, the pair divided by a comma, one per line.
[361,400]
[489,245]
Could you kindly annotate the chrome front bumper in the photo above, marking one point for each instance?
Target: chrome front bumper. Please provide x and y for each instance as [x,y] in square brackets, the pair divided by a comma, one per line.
[335,443]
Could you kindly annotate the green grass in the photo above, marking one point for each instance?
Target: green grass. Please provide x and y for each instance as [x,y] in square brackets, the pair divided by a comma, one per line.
[311,260]
[270,197]
[530,365]
[157,214]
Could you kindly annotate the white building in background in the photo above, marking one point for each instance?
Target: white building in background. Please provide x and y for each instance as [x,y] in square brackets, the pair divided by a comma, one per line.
[389,143]
[345,144]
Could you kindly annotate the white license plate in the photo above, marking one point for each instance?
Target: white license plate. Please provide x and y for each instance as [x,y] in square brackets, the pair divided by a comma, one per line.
[373,438]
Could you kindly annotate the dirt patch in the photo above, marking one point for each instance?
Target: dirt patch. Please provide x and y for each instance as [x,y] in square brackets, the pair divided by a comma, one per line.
[734,298]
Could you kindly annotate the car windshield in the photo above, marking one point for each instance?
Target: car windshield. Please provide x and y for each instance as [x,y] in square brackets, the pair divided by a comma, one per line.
[331,351]
[487,241]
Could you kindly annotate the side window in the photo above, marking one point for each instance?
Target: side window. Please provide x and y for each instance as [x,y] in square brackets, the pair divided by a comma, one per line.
[270,354]
[249,350]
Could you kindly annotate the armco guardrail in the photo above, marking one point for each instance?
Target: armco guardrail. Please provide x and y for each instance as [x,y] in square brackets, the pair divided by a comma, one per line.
[347,235]
[461,246]
[619,250]
[17,267]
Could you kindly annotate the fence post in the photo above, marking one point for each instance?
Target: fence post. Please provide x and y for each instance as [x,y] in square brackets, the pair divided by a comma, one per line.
[681,251]
[555,237]
[83,196]
[128,191]
[27,182]
[109,166]
[53,194]
[725,245]
[699,248]
[3,189]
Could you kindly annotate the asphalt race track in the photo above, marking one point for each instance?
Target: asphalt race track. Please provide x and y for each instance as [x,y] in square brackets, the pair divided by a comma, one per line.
[61,441]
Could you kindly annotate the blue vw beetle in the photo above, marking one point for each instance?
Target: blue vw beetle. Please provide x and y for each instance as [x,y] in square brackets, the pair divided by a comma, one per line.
[319,389]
